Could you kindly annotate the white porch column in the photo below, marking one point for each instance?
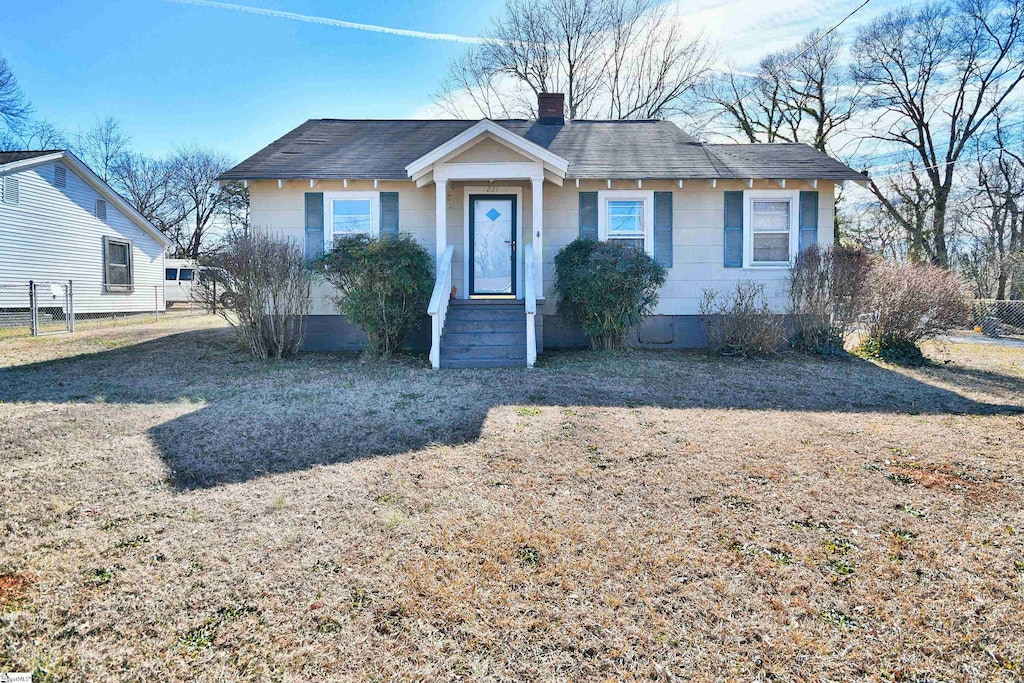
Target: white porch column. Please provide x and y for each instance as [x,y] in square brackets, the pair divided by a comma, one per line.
[537,185]
[441,219]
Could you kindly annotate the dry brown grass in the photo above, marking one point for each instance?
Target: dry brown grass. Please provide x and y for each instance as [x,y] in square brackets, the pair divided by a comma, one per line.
[183,513]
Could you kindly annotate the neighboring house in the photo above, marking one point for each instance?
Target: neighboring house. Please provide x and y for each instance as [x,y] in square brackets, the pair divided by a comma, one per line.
[498,199]
[59,221]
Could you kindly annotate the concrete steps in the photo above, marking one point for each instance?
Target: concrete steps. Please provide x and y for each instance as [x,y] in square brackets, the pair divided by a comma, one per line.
[484,333]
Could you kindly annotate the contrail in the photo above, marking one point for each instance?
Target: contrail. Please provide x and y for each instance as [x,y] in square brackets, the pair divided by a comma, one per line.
[325,21]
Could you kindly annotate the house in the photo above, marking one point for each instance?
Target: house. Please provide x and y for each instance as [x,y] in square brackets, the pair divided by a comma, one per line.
[59,221]
[494,201]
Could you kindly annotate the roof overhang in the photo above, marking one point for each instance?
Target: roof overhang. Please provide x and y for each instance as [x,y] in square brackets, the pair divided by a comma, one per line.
[553,164]
[97,183]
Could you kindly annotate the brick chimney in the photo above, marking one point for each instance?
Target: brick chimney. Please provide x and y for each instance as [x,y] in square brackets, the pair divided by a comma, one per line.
[551,108]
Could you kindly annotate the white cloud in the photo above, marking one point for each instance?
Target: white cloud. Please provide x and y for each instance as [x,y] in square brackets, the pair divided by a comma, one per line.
[327,21]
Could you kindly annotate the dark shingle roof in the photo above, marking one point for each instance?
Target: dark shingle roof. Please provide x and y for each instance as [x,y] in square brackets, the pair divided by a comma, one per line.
[781,160]
[8,157]
[333,148]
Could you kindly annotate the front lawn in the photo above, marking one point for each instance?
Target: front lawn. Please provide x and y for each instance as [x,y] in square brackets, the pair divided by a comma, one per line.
[171,510]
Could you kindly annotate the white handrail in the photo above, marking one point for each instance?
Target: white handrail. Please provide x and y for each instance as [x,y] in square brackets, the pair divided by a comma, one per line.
[437,309]
[530,294]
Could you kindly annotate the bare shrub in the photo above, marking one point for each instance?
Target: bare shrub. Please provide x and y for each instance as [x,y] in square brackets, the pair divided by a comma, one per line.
[270,285]
[909,303]
[827,287]
[740,322]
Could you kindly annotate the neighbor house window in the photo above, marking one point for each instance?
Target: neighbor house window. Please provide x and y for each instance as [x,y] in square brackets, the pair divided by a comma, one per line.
[117,265]
[101,209]
[627,217]
[771,228]
[350,213]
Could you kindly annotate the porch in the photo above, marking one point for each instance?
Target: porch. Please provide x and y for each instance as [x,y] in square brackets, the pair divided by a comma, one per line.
[489,241]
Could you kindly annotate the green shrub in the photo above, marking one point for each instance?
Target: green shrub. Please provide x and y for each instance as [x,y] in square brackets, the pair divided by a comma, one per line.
[384,284]
[606,288]
[892,350]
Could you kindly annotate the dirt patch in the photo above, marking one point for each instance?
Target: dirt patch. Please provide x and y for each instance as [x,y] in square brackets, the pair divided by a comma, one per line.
[13,588]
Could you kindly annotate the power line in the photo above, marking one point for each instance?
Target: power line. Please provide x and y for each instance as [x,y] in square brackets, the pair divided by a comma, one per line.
[807,49]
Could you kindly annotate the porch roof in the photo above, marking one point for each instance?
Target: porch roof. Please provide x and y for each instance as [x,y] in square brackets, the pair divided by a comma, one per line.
[382,149]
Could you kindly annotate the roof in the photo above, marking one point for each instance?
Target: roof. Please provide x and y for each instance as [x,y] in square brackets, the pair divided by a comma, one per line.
[381,149]
[24,159]
[8,157]
[781,160]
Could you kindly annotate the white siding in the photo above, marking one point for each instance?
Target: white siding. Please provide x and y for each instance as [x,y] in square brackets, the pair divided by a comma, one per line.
[52,234]
[697,236]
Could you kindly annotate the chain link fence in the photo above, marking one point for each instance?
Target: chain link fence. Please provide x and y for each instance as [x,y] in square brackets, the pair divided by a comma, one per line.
[999,318]
[41,308]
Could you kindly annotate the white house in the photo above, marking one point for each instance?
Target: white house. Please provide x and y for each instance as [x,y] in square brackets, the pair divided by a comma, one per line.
[494,201]
[59,221]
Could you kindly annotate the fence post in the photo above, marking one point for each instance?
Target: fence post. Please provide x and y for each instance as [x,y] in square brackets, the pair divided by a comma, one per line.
[214,295]
[71,305]
[33,323]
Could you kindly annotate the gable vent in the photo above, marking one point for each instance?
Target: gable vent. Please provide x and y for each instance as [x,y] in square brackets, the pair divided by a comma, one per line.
[101,209]
[60,175]
[12,190]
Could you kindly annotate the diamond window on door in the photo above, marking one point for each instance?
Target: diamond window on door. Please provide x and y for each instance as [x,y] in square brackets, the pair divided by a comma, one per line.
[493,214]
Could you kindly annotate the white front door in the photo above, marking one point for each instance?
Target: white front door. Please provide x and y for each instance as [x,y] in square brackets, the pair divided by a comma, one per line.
[492,236]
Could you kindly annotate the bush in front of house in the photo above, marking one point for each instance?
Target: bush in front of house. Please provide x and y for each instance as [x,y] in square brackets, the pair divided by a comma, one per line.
[740,322]
[827,288]
[270,286]
[908,303]
[384,286]
[606,289]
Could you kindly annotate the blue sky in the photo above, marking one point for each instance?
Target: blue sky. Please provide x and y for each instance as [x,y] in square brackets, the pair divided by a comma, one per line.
[234,81]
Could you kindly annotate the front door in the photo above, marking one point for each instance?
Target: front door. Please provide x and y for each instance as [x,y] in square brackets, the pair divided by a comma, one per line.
[492,245]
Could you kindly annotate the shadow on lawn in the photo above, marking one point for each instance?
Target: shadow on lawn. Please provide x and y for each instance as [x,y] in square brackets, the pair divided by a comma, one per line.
[237,419]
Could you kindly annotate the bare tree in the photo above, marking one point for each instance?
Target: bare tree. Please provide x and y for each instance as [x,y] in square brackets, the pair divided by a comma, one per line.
[998,208]
[937,74]
[14,107]
[628,58]
[148,185]
[200,200]
[33,134]
[235,208]
[651,67]
[102,146]
[472,88]
[797,95]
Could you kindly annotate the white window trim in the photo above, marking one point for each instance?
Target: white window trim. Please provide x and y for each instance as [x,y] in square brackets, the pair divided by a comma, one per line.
[647,196]
[749,196]
[329,198]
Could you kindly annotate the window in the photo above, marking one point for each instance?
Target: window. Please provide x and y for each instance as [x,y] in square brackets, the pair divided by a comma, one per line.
[185,275]
[117,265]
[171,274]
[350,213]
[60,175]
[770,230]
[626,222]
[627,217]
[101,209]
[11,190]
